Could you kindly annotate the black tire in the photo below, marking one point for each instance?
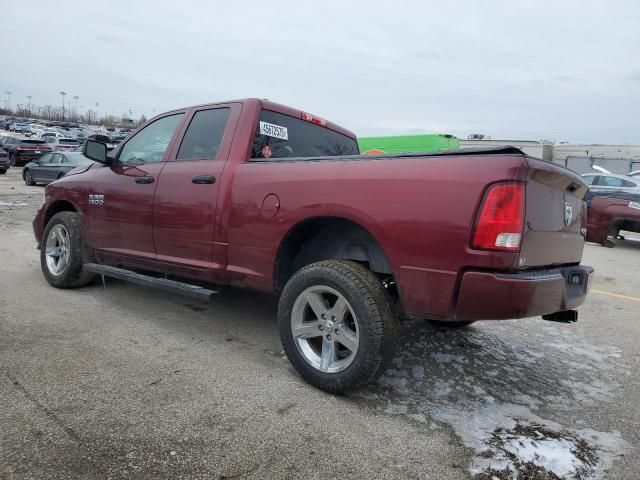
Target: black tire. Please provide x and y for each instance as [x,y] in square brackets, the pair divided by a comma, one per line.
[28,179]
[452,325]
[3,171]
[72,275]
[377,323]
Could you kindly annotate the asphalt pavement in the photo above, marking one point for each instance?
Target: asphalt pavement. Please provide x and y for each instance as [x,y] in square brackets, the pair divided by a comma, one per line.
[119,381]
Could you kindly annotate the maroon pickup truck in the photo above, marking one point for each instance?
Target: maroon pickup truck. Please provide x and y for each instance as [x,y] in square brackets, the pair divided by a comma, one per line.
[255,194]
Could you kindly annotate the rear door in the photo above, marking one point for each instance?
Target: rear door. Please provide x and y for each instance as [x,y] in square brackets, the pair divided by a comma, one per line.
[184,211]
[49,170]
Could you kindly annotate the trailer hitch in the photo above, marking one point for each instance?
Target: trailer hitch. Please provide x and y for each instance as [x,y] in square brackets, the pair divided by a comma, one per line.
[567,316]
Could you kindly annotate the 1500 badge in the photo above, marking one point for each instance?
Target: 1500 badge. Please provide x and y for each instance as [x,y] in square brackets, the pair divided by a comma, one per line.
[96,199]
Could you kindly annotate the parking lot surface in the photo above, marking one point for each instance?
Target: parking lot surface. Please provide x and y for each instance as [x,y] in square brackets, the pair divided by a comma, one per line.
[119,381]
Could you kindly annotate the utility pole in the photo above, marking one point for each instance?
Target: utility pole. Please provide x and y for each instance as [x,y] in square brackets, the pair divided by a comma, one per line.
[29,97]
[8,100]
[63,95]
[75,106]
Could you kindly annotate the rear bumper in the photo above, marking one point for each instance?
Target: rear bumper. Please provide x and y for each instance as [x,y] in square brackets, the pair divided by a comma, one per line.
[486,295]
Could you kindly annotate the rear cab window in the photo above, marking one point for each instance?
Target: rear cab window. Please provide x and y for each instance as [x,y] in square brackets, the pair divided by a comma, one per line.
[280,136]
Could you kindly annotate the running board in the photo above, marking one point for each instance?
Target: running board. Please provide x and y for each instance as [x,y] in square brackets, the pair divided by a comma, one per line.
[164,284]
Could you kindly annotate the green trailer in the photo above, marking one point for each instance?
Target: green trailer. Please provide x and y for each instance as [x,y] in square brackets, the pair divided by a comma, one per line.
[408,143]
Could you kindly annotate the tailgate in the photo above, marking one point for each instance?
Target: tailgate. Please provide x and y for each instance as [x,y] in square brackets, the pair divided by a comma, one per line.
[556,216]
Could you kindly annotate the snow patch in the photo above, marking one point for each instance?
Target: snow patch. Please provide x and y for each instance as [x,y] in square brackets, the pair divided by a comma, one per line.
[494,383]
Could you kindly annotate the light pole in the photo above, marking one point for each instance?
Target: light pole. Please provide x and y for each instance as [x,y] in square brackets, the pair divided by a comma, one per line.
[75,106]
[29,97]
[63,95]
[8,100]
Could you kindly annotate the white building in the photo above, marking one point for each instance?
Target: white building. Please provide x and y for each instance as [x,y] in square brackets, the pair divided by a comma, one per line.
[534,148]
[578,157]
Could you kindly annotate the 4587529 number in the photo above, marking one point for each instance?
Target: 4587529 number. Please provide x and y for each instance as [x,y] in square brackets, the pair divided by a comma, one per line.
[276,131]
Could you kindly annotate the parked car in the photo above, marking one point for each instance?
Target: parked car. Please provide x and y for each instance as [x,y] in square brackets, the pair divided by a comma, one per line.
[4,161]
[52,166]
[62,144]
[8,142]
[635,173]
[52,134]
[603,182]
[23,151]
[259,195]
[18,127]
[609,212]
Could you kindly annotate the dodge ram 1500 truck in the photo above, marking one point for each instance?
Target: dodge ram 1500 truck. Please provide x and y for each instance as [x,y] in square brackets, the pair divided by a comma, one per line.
[255,194]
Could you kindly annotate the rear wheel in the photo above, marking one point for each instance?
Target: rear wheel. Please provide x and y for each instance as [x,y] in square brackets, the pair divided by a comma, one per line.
[337,325]
[62,252]
[3,171]
[28,178]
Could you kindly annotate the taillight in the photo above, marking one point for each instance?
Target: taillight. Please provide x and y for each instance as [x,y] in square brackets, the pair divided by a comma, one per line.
[501,219]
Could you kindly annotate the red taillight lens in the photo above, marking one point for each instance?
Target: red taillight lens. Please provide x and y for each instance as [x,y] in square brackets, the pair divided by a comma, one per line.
[499,224]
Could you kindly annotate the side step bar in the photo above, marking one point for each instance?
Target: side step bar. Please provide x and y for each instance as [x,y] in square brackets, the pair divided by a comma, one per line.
[165,284]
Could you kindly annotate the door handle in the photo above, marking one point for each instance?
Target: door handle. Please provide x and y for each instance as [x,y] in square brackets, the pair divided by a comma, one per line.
[144,180]
[203,179]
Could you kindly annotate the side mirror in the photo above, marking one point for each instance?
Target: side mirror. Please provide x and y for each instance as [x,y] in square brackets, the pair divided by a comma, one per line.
[96,151]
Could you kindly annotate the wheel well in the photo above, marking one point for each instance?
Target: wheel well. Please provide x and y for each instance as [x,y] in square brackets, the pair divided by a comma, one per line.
[57,207]
[325,238]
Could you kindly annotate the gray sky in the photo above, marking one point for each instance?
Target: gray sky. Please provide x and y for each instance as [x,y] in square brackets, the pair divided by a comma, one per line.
[560,70]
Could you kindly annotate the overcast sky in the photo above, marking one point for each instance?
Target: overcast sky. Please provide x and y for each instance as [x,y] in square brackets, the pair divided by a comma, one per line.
[561,70]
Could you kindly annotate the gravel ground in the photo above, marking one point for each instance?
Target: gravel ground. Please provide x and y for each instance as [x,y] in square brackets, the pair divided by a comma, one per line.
[120,381]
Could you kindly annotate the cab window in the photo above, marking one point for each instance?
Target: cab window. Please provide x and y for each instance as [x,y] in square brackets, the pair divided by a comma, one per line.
[204,135]
[282,136]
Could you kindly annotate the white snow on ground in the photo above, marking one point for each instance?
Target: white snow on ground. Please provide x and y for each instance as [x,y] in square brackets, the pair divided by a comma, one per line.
[13,204]
[495,383]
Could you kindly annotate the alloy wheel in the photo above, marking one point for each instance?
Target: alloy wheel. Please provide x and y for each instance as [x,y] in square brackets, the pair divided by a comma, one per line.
[58,249]
[325,329]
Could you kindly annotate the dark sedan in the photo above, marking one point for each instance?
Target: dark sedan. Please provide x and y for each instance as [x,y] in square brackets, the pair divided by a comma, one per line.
[4,161]
[52,166]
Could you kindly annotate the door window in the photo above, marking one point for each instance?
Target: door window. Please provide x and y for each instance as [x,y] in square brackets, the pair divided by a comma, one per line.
[45,159]
[204,135]
[150,144]
[611,181]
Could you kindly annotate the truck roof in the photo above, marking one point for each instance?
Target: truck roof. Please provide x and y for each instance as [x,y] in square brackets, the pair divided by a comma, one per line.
[276,107]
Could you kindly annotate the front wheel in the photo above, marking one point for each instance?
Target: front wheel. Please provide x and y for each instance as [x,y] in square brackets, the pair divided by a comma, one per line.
[62,252]
[337,325]
[28,178]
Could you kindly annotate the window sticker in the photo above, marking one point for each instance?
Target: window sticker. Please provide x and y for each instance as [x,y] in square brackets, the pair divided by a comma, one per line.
[276,131]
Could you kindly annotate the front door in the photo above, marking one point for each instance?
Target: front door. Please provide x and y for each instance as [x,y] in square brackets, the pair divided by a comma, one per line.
[120,202]
[39,167]
[184,212]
